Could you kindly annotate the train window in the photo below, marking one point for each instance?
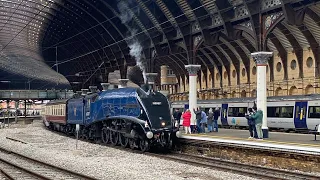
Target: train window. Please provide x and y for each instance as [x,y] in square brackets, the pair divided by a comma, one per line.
[237,111]
[314,112]
[281,112]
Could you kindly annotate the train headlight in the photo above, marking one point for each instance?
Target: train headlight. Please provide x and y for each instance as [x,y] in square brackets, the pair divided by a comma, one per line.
[163,124]
[178,134]
[149,135]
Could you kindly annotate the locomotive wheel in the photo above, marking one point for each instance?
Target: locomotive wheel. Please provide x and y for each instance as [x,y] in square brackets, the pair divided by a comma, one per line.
[124,141]
[144,145]
[114,138]
[132,143]
[105,135]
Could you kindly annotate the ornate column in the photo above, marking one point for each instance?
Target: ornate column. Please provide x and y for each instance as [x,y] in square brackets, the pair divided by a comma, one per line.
[261,59]
[123,83]
[192,70]
[151,77]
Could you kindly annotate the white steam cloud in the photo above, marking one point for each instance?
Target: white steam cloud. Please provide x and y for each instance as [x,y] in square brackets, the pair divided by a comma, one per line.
[133,43]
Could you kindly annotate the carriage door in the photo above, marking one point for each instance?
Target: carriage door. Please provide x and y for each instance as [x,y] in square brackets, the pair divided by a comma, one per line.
[300,115]
[224,114]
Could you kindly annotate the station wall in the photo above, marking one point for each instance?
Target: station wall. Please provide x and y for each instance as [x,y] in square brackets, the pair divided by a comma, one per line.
[215,85]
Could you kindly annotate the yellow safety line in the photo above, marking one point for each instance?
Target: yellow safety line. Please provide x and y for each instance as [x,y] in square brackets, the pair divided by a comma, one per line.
[235,138]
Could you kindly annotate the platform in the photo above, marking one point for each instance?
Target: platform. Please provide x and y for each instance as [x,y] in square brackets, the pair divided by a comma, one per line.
[293,142]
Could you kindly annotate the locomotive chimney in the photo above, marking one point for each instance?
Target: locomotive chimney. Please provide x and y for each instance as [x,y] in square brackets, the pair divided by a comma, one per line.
[79,93]
[84,91]
[93,89]
[105,86]
[151,77]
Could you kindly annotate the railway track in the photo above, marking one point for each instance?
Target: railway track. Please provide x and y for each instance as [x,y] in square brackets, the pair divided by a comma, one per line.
[17,166]
[240,168]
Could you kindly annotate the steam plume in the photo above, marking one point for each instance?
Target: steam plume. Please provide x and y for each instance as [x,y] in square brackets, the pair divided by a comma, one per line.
[133,43]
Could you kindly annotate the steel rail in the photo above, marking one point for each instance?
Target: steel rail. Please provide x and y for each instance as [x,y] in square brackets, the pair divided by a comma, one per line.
[32,172]
[240,168]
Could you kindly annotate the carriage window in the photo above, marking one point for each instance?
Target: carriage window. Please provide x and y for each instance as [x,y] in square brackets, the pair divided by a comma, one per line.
[237,111]
[281,112]
[314,112]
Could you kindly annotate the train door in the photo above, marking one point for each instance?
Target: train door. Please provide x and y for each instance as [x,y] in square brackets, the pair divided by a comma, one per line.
[224,113]
[300,115]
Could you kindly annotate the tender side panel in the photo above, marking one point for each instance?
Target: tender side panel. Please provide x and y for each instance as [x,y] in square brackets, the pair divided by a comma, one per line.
[76,111]
[113,106]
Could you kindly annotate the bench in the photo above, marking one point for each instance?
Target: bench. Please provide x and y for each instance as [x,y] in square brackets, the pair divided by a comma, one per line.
[315,131]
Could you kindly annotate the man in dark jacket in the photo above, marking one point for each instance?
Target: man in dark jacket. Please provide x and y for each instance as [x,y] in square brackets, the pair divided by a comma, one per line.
[177,116]
[216,115]
[198,118]
[251,124]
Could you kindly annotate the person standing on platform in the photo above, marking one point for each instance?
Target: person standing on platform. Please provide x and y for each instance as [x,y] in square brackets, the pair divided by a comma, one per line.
[251,124]
[258,116]
[216,115]
[177,116]
[203,121]
[210,120]
[198,118]
[186,121]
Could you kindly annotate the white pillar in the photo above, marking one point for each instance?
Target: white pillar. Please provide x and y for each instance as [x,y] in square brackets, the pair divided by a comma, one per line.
[123,83]
[261,59]
[192,70]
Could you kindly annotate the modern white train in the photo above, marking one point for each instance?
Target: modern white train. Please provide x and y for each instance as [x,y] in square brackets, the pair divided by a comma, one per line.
[298,113]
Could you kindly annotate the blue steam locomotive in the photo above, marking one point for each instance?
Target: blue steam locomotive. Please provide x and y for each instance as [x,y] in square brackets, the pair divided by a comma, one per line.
[130,117]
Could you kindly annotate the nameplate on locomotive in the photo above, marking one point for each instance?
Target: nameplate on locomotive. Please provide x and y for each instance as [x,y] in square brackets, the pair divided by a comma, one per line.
[156,103]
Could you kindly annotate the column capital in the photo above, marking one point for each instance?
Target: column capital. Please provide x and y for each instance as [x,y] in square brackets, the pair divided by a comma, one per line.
[262,57]
[123,82]
[192,69]
[151,77]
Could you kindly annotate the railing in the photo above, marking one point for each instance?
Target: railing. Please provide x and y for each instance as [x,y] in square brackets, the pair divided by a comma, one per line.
[285,85]
[34,94]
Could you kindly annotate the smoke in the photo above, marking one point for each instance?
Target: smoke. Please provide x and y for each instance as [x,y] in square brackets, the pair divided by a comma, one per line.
[126,16]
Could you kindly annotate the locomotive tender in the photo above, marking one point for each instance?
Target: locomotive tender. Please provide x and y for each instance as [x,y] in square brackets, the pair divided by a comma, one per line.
[298,113]
[126,116]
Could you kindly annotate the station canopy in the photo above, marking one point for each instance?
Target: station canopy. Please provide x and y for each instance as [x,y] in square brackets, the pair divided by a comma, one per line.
[63,44]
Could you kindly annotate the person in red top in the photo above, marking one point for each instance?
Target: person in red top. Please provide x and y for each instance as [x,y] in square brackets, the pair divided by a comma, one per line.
[186,121]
